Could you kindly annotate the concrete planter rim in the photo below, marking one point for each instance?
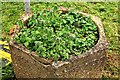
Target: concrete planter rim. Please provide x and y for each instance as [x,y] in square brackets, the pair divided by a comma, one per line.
[100,45]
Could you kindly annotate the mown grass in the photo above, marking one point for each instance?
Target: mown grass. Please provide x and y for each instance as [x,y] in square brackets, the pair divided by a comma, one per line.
[107,11]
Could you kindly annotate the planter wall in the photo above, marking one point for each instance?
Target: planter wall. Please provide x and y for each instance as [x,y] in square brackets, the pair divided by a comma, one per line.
[87,65]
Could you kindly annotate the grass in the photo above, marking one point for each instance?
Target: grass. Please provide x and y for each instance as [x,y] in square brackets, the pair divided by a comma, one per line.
[107,11]
[8,73]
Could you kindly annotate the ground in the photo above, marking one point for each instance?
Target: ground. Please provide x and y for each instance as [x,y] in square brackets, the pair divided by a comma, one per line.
[107,11]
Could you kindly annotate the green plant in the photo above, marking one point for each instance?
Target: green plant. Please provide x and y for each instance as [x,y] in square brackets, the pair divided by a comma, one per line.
[58,35]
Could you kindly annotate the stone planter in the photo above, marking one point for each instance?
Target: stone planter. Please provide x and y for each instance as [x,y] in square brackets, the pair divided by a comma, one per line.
[87,65]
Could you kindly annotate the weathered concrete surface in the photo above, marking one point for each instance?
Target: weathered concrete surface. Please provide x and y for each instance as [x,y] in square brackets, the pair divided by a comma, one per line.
[87,65]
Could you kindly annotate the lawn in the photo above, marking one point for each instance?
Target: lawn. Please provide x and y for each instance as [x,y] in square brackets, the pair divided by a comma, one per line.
[107,11]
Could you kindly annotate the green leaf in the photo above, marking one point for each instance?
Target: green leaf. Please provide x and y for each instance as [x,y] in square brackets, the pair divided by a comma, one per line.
[55,8]
[56,57]
[18,41]
[43,54]
[64,21]
[77,53]
[65,56]
[26,44]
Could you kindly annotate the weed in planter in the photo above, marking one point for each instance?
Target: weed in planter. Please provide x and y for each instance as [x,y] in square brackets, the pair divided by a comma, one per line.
[58,35]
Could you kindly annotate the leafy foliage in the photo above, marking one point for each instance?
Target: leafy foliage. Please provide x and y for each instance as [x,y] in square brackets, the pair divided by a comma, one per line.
[58,35]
